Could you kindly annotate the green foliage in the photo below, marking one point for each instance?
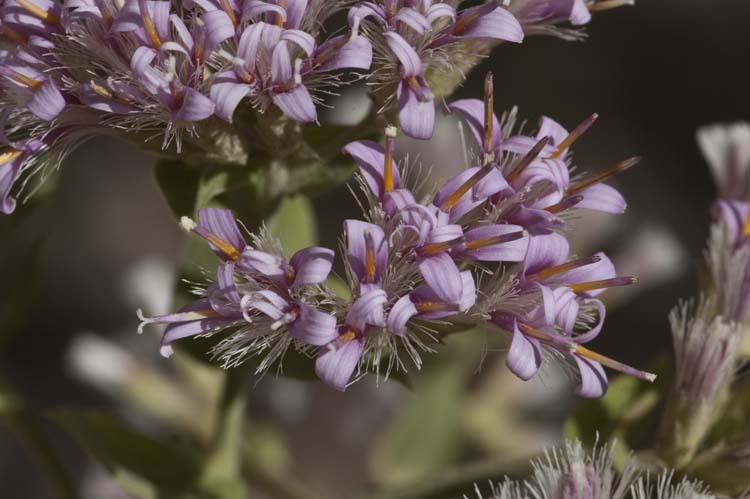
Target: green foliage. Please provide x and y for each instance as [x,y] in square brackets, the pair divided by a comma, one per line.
[144,466]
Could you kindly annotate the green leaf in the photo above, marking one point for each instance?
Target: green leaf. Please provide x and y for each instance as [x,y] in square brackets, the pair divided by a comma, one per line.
[423,438]
[294,223]
[143,465]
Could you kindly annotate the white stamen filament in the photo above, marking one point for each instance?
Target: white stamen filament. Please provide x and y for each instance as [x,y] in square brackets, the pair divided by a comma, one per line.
[231,57]
[285,319]
[355,28]
[297,71]
[171,69]
[188,224]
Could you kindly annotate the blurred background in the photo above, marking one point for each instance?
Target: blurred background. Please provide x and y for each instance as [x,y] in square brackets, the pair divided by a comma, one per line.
[100,242]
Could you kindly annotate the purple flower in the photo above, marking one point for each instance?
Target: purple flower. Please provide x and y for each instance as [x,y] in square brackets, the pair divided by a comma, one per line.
[441,296]
[412,33]
[337,361]
[12,161]
[218,310]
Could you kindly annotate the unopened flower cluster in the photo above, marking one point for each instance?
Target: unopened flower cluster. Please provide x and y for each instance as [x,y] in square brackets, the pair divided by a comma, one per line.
[486,247]
[180,70]
[573,473]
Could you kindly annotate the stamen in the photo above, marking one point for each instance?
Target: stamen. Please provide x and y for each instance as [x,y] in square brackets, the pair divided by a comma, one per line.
[148,25]
[229,11]
[24,80]
[298,71]
[285,319]
[435,248]
[13,35]
[612,364]
[415,86]
[540,335]
[466,20]
[564,267]
[100,90]
[187,224]
[390,144]
[8,156]
[347,335]
[370,266]
[171,69]
[565,204]
[454,198]
[37,12]
[434,306]
[524,162]
[489,112]
[608,4]
[279,18]
[391,8]
[290,274]
[491,241]
[609,172]
[582,287]
[223,246]
[746,225]
[574,135]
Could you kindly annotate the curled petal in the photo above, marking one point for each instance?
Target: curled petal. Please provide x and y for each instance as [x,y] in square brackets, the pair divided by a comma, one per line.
[46,102]
[410,62]
[593,382]
[472,111]
[313,327]
[601,197]
[195,107]
[221,224]
[227,96]
[297,104]
[356,53]
[295,10]
[499,24]
[400,313]
[311,265]
[545,250]
[335,364]
[416,115]
[594,331]
[303,40]
[439,11]
[370,157]
[524,356]
[443,277]
[413,19]
[364,10]
[218,28]
[264,263]
[367,310]
[598,271]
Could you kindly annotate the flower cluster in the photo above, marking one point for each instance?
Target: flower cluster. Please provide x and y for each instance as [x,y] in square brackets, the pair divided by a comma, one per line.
[180,69]
[573,473]
[486,247]
[708,336]
[159,67]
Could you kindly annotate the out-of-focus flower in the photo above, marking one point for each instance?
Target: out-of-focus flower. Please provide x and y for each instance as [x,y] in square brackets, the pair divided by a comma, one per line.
[706,348]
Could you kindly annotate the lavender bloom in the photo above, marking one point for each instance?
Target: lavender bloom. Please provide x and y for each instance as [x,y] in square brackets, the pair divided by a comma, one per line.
[89,67]
[411,37]
[11,162]
[338,360]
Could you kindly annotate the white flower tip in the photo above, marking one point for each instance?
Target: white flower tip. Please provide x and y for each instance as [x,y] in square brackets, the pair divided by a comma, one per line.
[651,377]
[355,28]
[144,320]
[506,3]
[391,131]
[166,351]
[188,224]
